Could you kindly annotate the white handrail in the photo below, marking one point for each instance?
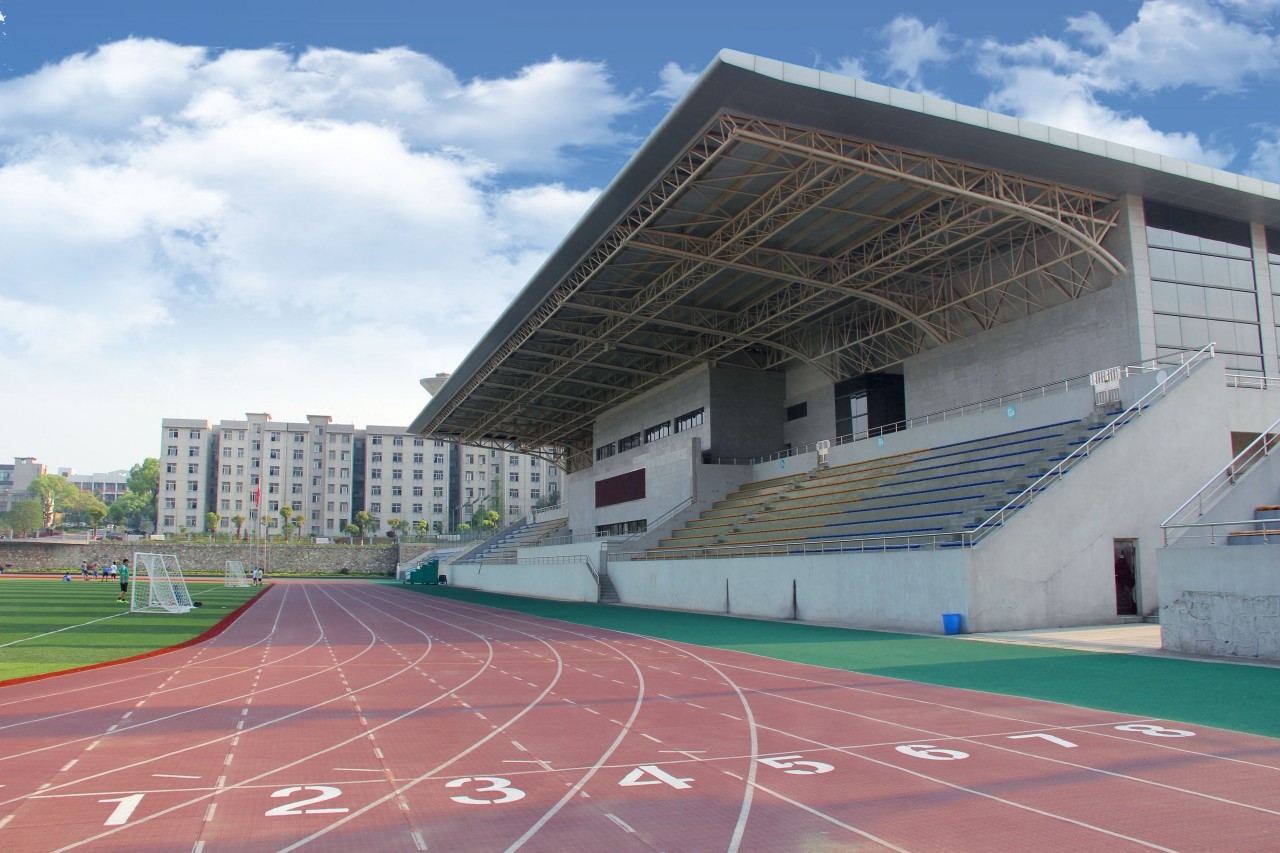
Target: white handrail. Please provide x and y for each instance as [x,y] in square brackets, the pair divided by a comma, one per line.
[1027,495]
[1259,448]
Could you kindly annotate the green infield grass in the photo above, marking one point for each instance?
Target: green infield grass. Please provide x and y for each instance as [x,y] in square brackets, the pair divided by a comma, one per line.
[49,625]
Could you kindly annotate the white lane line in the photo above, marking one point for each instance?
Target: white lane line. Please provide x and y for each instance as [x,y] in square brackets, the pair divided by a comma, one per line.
[59,631]
[208,813]
[620,822]
[650,737]
[356,770]
[68,765]
[172,776]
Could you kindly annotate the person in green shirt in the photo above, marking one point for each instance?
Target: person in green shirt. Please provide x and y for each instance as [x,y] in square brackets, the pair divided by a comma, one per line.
[124,580]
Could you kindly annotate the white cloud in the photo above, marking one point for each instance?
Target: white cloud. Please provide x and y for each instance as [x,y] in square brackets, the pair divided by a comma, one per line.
[1041,95]
[675,82]
[851,66]
[1174,43]
[1170,45]
[911,45]
[250,230]
[1264,160]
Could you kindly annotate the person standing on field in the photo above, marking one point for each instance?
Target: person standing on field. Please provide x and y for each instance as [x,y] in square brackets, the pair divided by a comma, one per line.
[124,581]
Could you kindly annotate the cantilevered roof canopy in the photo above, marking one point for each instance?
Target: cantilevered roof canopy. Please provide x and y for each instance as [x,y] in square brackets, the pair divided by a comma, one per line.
[781,213]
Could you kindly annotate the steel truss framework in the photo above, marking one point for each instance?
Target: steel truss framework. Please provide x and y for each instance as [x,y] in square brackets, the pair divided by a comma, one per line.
[765,244]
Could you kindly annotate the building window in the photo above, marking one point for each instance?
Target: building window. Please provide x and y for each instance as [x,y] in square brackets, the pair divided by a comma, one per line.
[397,457]
[193,486]
[604,451]
[396,491]
[395,509]
[417,492]
[377,439]
[689,421]
[535,477]
[193,503]
[629,443]
[170,486]
[657,431]
[193,468]
[798,411]
[513,461]
[513,477]
[439,475]
[173,433]
[417,458]
[375,507]
[375,473]
[397,441]
[171,467]
[170,503]
[1202,285]
[437,509]
[397,474]
[513,494]
[375,457]
[417,509]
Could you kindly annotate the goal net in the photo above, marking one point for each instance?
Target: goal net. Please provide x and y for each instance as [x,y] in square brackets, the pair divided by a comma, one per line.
[235,575]
[157,585]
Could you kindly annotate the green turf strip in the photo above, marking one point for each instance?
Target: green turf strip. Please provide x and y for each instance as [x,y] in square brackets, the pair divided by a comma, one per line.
[98,628]
[1238,697]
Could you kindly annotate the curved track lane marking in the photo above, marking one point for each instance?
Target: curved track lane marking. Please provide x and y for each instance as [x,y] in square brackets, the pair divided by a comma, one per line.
[574,789]
[247,783]
[748,784]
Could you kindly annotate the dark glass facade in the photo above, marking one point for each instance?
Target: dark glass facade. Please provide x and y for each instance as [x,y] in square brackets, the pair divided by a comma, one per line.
[1202,285]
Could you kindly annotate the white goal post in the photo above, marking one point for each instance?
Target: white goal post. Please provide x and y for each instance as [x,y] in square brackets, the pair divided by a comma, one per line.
[157,585]
[235,575]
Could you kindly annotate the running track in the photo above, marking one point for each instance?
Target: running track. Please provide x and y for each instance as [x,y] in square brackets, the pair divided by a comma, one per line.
[346,716]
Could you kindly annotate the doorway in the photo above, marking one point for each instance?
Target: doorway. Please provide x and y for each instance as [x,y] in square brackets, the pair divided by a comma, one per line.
[1126,569]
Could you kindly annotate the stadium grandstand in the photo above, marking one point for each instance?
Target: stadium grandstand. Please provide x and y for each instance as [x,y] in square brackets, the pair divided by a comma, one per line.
[831,351]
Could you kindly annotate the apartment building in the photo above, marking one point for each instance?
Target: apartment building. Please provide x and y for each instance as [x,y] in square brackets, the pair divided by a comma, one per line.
[326,473]
[15,478]
[106,486]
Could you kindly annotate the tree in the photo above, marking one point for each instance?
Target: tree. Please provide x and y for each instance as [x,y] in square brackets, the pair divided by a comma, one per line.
[362,521]
[238,520]
[53,491]
[485,519]
[352,530]
[438,526]
[25,517]
[131,510]
[420,527]
[86,508]
[394,524]
[211,521]
[286,512]
[552,499]
[144,481]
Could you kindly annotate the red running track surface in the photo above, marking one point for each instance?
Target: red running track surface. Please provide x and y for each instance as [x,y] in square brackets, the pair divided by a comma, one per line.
[338,716]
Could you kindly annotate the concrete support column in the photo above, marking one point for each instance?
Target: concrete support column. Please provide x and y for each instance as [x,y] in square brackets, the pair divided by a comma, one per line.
[1133,220]
[1266,313]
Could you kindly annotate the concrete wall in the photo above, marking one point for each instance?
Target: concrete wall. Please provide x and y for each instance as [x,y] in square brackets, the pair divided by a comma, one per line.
[899,591]
[1253,410]
[1260,486]
[1080,337]
[198,557]
[561,581]
[1221,600]
[1053,563]
[806,384]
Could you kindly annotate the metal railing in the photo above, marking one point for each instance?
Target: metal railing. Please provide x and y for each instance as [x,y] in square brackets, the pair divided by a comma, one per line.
[1254,381]
[1212,531]
[800,547]
[1193,507]
[948,539]
[659,521]
[1028,495]
[1004,400]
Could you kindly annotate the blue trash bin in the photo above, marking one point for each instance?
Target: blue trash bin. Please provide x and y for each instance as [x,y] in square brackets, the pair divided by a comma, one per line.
[951,623]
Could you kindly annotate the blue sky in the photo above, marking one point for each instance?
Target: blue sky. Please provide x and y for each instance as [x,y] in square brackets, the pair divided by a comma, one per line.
[303,207]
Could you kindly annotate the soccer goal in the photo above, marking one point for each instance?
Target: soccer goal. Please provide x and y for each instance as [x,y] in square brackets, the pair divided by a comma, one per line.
[235,575]
[157,585]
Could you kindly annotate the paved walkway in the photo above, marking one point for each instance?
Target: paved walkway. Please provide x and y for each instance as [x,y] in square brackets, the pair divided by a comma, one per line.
[1130,638]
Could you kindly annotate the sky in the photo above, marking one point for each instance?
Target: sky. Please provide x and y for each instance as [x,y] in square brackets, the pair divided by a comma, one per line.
[208,209]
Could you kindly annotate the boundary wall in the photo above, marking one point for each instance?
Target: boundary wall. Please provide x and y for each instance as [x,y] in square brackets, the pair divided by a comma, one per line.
[1221,601]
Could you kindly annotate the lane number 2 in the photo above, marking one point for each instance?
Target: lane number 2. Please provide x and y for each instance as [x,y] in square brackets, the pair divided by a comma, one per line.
[327,792]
